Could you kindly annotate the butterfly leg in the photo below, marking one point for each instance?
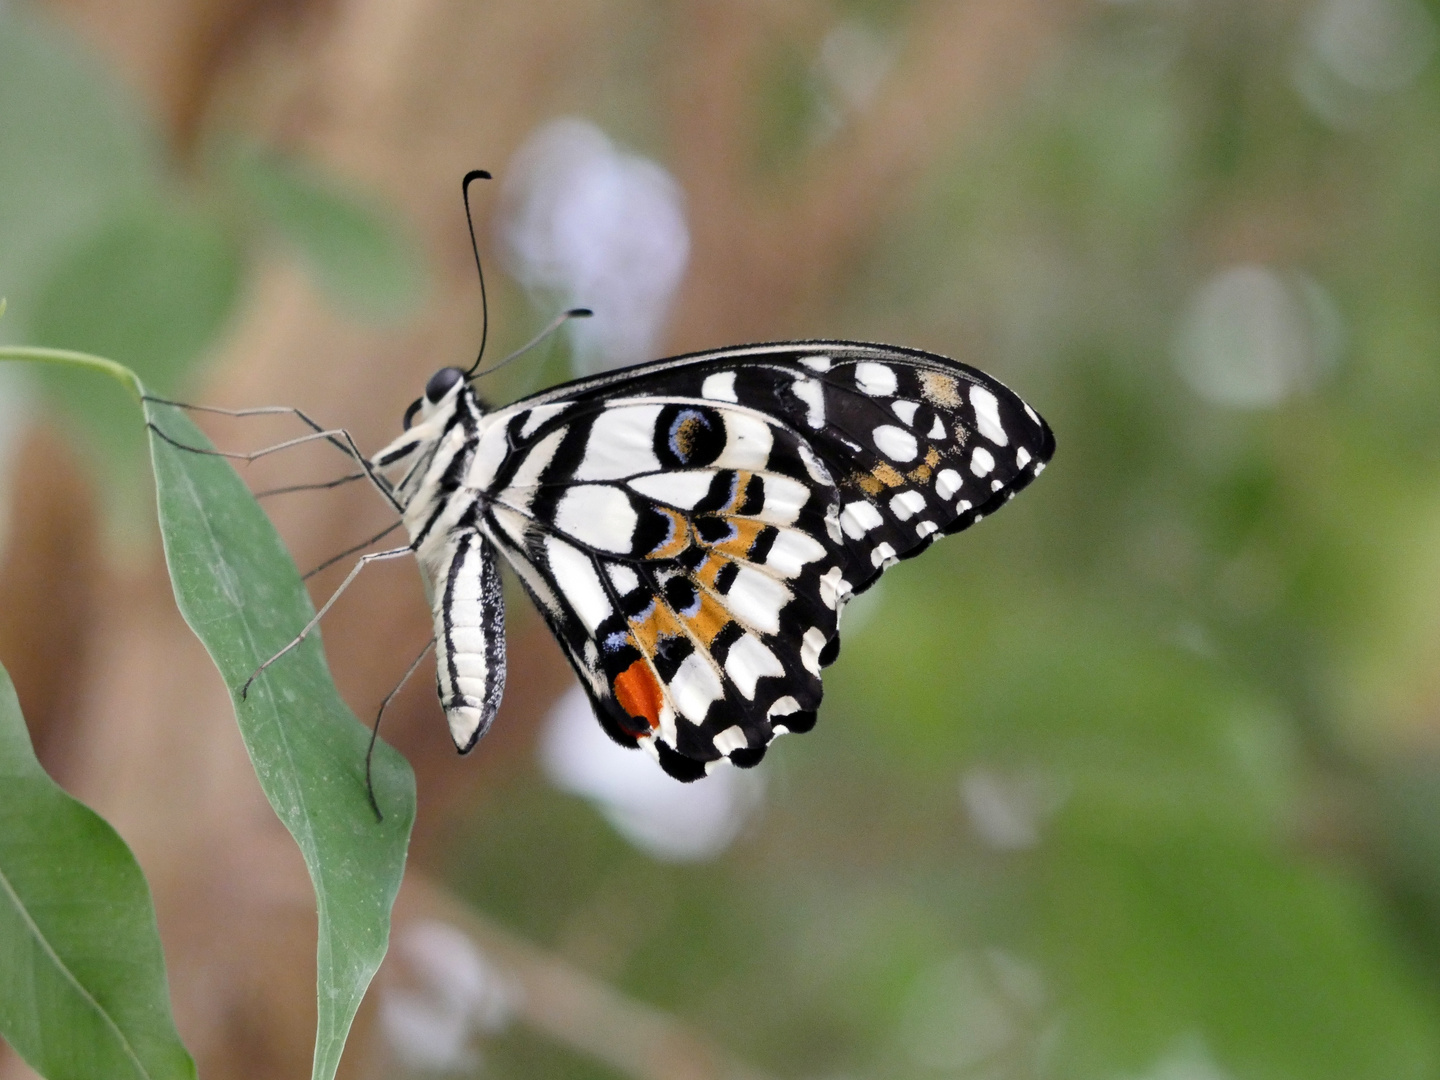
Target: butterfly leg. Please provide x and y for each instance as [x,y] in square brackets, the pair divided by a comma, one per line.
[337,437]
[263,410]
[365,560]
[351,551]
[347,447]
[375,730]
[323,485]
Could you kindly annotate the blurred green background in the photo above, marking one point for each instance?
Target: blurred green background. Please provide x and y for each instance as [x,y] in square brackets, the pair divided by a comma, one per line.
[1140,779]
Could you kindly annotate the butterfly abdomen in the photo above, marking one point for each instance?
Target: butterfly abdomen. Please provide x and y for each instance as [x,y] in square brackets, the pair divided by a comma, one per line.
[469,637]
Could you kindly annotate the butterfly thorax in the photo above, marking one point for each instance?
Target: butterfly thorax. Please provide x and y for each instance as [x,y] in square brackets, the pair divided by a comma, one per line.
[429,465]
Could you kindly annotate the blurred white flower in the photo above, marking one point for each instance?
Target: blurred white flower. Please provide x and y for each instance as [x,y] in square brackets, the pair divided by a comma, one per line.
[1253,337]
[586,224]
[853,62]
[669,820]
[1354,51]
[454,993]
[1007,810]
[1375,45]
[976,1010]
[1188,1059]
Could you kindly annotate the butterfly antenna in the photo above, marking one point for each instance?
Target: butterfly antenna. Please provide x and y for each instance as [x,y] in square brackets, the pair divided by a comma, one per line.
[472,175]
[553,325]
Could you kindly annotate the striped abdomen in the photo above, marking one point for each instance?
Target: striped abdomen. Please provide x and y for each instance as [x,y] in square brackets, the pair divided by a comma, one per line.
[469,636]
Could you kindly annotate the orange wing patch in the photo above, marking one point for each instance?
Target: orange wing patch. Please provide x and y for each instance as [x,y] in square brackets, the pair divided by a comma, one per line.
[739,545]
[638,692]
[657,623]
[707,571]
[708,621]
[677,541]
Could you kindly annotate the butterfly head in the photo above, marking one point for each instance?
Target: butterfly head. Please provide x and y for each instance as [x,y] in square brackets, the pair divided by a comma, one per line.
[440,388]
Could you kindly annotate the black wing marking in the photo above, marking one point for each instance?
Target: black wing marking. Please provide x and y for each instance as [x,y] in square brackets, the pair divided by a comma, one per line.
[692,528]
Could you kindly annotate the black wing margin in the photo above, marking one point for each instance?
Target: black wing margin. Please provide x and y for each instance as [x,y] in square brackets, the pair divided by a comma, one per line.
[895,448]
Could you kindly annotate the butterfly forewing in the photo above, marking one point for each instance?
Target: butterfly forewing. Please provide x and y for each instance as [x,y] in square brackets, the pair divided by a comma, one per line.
[692,528]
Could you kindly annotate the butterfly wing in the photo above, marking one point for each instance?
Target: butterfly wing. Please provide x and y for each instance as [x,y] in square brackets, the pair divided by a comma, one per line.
[693,528]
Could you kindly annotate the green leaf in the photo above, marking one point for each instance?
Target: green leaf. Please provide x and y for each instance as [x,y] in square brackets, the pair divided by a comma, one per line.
[359,254]
[238,589]
[240,592]
[84,992]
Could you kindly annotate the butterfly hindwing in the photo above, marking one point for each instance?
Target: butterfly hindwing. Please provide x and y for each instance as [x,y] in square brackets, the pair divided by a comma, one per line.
[693,528]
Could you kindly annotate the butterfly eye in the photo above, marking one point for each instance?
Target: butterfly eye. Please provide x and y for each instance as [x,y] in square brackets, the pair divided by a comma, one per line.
[441,382]
[410,413]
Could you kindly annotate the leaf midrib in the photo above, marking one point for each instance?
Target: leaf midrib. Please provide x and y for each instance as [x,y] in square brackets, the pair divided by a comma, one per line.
[308,845]
[70,976]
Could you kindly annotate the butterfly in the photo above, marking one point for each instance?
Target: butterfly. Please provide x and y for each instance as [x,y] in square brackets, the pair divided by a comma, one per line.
[692,528]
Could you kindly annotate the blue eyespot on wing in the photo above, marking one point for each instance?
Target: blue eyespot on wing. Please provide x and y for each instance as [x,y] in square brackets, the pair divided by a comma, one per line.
[693,528]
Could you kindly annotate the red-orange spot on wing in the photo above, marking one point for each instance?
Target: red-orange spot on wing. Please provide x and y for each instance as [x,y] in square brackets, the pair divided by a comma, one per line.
[638,692]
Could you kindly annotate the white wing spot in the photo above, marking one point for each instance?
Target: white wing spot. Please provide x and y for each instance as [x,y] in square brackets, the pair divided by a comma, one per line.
[835,591]
[905,410]
[981,462]
[925,528]
[623,578]
[695,686]
[987,415]
[907,504]
[810,646]
[755,598]
[748,661]
[884,556]
[812,396]
[937,429]
[996,485]
[1039,467]
[683,488]
[719,387]
[877,380]
[895,443]
[1022,458]
[621,443]
[732,738]
[784,499]
[1031,413]
[947,483]
[858,518]
[747,442]
[598,516]
[783,707]
[816,363]
[791,551]
[814,466]
[832,523]
[573,572]
[962,506]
